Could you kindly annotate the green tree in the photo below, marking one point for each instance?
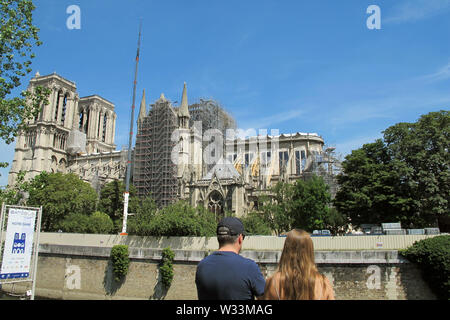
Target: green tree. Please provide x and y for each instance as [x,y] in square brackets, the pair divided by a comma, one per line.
[370,187]
[276,207]
[18,36]
[177,219]
[404,177]
[98,222]
[422,148]
[60,195]
[16,194]
[255,224]
[75,223]
[304,204]
[311,201]
[139,224]
[111,200]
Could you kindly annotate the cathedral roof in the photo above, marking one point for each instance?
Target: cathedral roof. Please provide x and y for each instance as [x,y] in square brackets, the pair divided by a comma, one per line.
[222,171]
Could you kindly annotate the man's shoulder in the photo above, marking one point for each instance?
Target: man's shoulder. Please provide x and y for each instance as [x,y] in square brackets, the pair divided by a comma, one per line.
[229,256]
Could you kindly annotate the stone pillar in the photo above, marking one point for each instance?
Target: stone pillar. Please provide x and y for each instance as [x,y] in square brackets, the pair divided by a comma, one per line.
[113,128]
[85,111]
[91,121]
[75,115]
[101,115]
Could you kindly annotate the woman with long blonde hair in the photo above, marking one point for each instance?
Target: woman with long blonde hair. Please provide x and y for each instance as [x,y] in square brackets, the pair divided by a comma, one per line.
[297,277]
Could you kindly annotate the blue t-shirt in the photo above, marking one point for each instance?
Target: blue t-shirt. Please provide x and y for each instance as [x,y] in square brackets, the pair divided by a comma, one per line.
[225,275]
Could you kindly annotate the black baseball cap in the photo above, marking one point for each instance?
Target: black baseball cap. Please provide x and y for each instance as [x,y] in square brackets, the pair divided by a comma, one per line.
[230,226]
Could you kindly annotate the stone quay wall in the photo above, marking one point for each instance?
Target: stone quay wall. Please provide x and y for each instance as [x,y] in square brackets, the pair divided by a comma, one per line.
[75,266]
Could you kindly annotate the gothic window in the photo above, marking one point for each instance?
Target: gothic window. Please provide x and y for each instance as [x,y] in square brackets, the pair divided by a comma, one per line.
[62,166]
[105,119]
[297,162]
[303,155]
[64,108]
[86,126]
[248,157]
[54,164]
[80,124]
[215,204]
[265,158]
[284,158]
[57,105]
[30,139]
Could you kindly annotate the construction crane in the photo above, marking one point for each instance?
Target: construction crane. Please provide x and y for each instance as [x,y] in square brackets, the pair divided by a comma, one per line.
[130,142]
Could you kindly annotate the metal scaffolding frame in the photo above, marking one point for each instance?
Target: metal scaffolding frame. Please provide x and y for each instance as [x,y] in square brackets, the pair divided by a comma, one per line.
[154,171]
[212,116]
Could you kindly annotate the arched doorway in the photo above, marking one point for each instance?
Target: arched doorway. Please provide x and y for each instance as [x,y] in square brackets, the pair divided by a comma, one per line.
[216,204]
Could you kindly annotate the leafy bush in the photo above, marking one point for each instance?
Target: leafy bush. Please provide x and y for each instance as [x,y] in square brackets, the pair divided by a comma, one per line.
[111,201]
[101,223]
[98,222]
[178,219]
[120,261]
[433,257]
[75,223]
[255,224]
[166,268]
[60,196]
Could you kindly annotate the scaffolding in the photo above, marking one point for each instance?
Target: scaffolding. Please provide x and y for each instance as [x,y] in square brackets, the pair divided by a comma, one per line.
[154,171]
[325,164]
[212,116]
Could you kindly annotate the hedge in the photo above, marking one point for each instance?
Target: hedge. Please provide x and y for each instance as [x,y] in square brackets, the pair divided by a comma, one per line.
[433,257]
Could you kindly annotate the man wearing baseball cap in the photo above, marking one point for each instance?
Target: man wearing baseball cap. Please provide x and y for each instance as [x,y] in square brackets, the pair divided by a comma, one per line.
[224,274]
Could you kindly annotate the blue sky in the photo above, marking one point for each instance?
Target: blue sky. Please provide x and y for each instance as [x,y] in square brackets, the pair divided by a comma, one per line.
[307,66]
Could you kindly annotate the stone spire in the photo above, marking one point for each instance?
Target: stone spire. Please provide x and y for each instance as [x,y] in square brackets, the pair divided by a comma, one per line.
[184,111]
[143,109]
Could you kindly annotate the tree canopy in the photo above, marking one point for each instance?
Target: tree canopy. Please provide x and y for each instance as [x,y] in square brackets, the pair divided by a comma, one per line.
[306,204]
[18,37]
[60,196]
[404,177]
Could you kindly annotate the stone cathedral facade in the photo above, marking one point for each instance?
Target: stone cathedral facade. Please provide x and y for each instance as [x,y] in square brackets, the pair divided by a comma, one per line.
[71,134]
[173,158]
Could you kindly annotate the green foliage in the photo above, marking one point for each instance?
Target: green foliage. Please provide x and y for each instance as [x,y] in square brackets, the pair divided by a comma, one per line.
[60,195]
[255,224]
[277,208]
[98,222]
[120,261]
[304,204]
[311,200]
[433,257]
[178,219]
[16,194]
[75,223]
[139,224]
[18,36]
[111,200]
[404,177]
[166,268]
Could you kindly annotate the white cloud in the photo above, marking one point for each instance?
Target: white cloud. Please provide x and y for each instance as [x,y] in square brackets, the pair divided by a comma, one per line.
[270,121]
[441,74]
[414,10]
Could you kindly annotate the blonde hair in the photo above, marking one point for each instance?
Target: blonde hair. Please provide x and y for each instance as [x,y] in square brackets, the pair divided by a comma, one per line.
[297,268]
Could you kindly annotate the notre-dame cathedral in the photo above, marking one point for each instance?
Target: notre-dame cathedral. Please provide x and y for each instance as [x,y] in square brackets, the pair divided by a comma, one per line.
[191,152]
